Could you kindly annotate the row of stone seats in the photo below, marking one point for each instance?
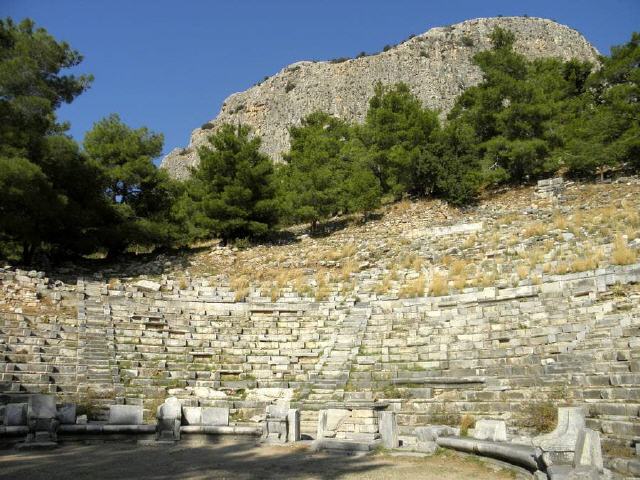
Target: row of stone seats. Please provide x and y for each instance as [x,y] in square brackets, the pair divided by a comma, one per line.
[406,340]
[208,343]
[38,353]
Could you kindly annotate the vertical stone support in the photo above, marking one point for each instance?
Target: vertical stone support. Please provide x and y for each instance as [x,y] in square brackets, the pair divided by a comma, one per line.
[388,429]
[293,425]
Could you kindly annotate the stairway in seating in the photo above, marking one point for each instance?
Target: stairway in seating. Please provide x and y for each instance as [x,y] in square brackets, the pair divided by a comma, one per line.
[98,376]
[332,371]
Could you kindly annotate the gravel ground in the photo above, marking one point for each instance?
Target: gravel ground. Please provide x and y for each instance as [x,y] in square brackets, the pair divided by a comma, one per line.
[229,458]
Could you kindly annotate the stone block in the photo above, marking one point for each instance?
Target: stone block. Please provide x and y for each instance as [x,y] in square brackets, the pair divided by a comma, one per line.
[215,416]
[147,286]
[67,414]
[571,421]
[279,410]
[494,430]
[192,415]
[335,416]
[42,406]
[388,428]
[125,415]
[321,429]
[15,414]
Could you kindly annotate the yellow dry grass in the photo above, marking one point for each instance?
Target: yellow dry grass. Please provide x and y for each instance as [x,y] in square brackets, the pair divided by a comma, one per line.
[621,253]
[536,229]
[413,288]
[439,285]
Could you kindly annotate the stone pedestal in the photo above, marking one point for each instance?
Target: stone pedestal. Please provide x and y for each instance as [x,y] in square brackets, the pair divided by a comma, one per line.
[275,427]
[169,419]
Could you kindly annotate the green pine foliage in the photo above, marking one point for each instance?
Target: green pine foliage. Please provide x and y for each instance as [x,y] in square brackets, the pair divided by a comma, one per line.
[512,111]
[140,194]
[602,129]
[398,134]
[50,197]
[232,189]
[525,120]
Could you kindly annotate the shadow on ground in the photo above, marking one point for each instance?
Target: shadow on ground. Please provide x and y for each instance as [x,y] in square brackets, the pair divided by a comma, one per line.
[206,458]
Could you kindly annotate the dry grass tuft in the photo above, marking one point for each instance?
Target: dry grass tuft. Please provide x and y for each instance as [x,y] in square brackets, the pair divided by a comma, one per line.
[439,285]
[384,286]
[621,253]
[458,267]
[467,422]
[560,222]
[240,285]
[414,288]
[522,271]
[411,262]
[535,230]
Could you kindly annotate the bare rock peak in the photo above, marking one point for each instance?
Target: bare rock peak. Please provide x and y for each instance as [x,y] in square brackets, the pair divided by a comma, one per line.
[437,65]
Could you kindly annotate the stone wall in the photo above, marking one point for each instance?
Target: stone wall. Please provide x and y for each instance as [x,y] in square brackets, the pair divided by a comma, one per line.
[489,353]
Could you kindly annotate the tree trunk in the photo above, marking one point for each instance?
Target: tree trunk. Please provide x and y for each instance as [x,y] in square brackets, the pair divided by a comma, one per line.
[28,250]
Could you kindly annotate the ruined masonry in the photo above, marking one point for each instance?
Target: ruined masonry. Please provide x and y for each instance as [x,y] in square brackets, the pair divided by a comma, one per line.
[491,353]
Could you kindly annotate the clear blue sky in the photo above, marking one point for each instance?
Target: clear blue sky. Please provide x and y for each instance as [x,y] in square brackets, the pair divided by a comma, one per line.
[170,64]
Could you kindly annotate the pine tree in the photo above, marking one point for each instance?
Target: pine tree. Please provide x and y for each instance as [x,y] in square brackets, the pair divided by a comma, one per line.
[233,187]
[311,183]
[397,133]
[50,197]
[141,194]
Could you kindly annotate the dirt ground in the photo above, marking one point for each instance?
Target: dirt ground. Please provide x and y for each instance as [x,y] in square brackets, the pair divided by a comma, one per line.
[234,459]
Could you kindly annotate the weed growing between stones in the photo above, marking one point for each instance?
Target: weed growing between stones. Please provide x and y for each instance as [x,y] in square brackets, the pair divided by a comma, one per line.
[467,422]
[540,416]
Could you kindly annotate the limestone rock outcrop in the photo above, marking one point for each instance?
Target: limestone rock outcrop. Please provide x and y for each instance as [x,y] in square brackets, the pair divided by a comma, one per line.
[437,65]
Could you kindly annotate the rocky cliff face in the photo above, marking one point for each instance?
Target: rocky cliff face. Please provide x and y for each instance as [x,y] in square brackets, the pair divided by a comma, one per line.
[437,65]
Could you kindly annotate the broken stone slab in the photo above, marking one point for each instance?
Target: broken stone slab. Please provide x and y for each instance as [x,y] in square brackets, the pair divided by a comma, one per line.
[207,392]
[125,415]
[521,455]
[342,445]
[278,410]
[221,429]
[494,430]
[101,428]
[388,428]
[192,415]
[567,472]
[588,450]
[431,433]
[171,408]
[169,418]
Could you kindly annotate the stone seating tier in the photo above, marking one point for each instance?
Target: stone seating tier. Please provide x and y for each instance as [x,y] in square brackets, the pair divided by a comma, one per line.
[486,352]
